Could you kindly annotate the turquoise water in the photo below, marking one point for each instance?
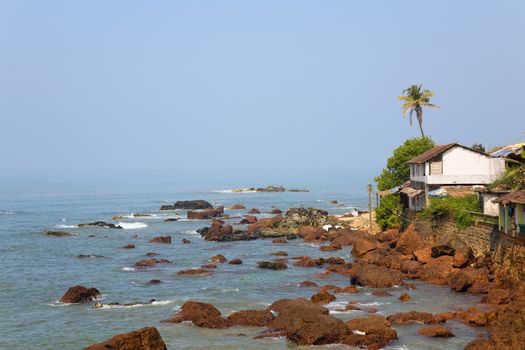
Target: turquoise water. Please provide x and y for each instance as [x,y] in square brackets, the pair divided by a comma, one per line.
[37,270]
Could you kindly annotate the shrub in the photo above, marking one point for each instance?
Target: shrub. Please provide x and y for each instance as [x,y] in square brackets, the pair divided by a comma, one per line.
[452,207]
[389,211]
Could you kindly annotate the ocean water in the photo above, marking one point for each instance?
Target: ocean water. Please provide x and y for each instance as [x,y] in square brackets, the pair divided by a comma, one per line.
[37,270]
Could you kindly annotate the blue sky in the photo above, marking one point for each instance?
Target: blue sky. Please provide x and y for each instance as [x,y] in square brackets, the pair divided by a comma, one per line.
[251,84]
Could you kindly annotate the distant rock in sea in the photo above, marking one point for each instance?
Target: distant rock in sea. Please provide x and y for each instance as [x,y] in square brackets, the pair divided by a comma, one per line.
[267,189]
[100,224]
[198,204]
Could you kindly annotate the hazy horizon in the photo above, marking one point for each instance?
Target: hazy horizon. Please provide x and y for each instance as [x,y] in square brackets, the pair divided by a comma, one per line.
[243,86]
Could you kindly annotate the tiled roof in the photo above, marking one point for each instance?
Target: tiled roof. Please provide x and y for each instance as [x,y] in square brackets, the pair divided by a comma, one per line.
[438,150]
[513,197]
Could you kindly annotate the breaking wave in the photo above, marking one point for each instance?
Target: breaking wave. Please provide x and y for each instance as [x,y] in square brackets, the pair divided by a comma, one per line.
[132,225]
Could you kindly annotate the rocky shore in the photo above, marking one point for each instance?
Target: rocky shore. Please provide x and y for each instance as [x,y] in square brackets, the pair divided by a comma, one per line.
[381,261]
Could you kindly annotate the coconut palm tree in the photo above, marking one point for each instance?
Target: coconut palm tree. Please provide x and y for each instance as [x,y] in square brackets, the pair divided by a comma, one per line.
[414,100]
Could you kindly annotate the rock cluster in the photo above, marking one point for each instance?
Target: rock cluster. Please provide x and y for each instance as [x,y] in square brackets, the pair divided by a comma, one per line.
[198,204]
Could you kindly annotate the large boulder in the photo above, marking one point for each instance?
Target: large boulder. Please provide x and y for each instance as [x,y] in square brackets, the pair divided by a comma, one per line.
[205,214]
[372,332]
[362,246]
[438,271]
[80,294]
[412,317]
[305,323]
[161,239]
[323,297]
[100,224]
[188,205]
[375,276]
[255,318]
[147,338]
[268,222]
[344,237]
[409,241]
[435,332]
[201,315]
[151,262]
[463,279]
[441,250]
[302,216]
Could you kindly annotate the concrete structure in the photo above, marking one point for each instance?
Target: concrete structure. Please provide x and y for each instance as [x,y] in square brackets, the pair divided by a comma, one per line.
[450,165]
[512,213]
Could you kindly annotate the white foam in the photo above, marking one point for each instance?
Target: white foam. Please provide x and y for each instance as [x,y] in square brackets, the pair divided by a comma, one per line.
[7,213]
[190,232]
[66,226]
[230,290]
[155,303]
[374,303]
[129,269]
[132,225]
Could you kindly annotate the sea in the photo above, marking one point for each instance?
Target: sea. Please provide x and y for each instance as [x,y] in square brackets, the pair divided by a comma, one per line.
[36,270]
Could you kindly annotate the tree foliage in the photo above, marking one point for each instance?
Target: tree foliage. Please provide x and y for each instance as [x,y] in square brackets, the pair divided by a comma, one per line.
[513,178]
[459,208]
[414,100]
[397,170]
[389,212]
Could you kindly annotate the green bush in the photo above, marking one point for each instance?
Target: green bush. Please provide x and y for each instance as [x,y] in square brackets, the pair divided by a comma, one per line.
[452,207]
[389,212]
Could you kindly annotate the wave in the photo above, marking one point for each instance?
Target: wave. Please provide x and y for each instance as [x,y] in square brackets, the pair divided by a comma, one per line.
[190,232]
[66,226]
[374,303]
[124,306]
[230,290]
[129,269]
[132,225]
[6,213]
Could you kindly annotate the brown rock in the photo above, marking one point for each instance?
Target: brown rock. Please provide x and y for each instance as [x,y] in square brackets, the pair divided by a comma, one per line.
[306,261]
[205,214]
[329,248]
[128,246]
[80,294]
[151,262]
[323,297]
[235,261]
[161,239]
[280,253]
[404,297]
[349,290]
[147,338]
[209,266]
[276,211]
[423,254]
[237,207]
[377,332]
[279,241]
[151,254]
[272,265]
[201,315]
[361,247]
[497,297]
[412,317]
[254,211]
[375,276]
[218,259]
[409,241]
[308,284]
[435,332]
[186,241]
[346,237]
[195,272]
[268,222]
[479,344]
[381,293]
[248,219]
[255,318]
[463,279]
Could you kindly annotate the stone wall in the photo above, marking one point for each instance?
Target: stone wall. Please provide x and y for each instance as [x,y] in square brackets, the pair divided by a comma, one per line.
[484,240]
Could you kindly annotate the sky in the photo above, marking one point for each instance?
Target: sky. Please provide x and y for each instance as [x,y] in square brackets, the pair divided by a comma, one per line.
[275,85]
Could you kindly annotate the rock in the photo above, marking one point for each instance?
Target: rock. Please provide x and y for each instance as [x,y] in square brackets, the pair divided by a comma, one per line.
[151,262]
[186,241]
[497,296]
[171,220]
[262,223]
[209,266]
[201,315]
[254,318]
[372,332]
[89,256]
[218,259]
[463,279]
[154,281]
[346,237]
[437,271]
[410,267]
[423,254]
[306,261]
[270,189]
[100,224]
[60,233]
[441,250]
[188,205]
[308,284]
[463,257]
[254,211]
[305,323]
[388,236]
[276,211]
[279,253]
[147,338]
[323,297]
[248,219]
[409,241]
[383,257]
[118,217]
[435,332]
[329,248]
[279,241]
[150,254]
[195,272]
[375,276]
[361,247]
[237,207]
[479,344]
[412,317]
[349,290]
[295,217]
[235,261]
[474,317]
[161,239]
[272,265]
[128,246]
[205,214]
[80,294]
[141,215]
[404,297]
[381,293]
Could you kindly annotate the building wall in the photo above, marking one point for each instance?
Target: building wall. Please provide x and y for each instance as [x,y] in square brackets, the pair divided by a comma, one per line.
[489,207]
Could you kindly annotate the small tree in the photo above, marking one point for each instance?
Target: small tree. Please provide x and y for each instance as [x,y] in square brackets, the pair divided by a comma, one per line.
[397,170]
[414,100]
[389,212]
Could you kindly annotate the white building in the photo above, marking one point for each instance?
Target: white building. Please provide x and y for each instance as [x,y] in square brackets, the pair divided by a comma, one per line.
[449,167]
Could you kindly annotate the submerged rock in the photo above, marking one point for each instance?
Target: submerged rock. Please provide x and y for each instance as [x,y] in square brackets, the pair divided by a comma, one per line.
[60,233]
[412,317]
[100,224]
[80,294]
[205,214]
[151,262]
[272,265]
[435,331]
[147,338]
[89,256]
[235,261]
[161,239]
[323,297]
[198,204]
[195,272]
[128,246]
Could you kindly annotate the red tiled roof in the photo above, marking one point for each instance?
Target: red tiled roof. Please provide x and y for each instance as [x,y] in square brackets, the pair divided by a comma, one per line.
[438,150]
[513,197]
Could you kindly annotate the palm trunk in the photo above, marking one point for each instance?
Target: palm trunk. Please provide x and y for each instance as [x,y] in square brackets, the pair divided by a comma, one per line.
[420,120]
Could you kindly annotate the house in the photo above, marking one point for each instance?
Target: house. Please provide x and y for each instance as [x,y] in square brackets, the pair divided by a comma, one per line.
[449,168]
[512,213]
